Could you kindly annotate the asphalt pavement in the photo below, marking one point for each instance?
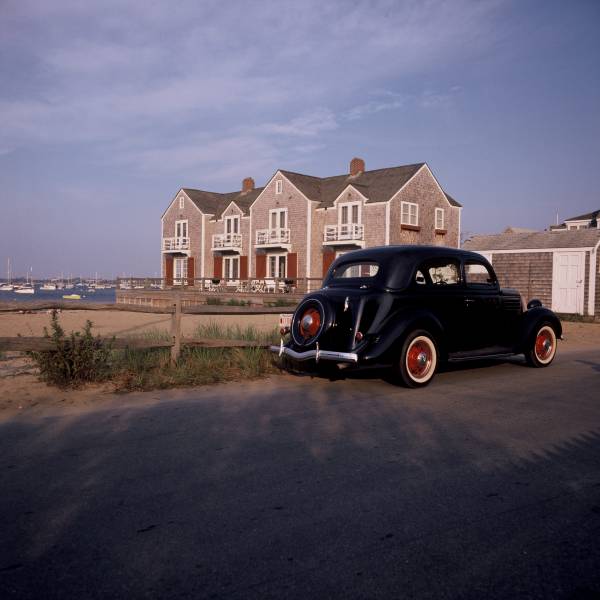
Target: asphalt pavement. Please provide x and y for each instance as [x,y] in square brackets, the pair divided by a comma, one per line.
[486,484]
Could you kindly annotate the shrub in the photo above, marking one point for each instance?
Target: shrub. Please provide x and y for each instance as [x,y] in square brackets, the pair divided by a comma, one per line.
[75,359]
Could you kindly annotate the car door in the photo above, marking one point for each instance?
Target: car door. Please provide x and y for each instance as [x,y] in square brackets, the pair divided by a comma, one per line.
[443,294]
[483,305]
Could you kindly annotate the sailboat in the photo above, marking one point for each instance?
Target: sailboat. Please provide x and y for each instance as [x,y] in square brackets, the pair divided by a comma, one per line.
[28,287]
[7,287]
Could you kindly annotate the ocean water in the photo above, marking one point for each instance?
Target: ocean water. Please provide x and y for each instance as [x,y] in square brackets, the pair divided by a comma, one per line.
[100,296]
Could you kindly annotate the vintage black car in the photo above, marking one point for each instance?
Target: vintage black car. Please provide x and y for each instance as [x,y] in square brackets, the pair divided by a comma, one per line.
[414,308]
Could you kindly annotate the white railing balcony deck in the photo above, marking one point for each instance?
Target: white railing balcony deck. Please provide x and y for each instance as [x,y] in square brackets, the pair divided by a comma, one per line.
[176,244]
[344,234]
[272,237]
[227,241]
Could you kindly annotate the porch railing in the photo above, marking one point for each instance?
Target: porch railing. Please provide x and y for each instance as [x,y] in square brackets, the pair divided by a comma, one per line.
[221,241]
[269,237]
[223,285]
[348,232]
[175,244]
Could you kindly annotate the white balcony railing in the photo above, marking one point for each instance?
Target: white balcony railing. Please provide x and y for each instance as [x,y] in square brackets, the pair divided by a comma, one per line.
[343,233]
[272,237]
[223,241]
[176,244]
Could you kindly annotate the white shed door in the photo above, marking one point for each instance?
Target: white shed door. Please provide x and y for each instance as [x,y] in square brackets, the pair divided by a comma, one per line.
[567,282]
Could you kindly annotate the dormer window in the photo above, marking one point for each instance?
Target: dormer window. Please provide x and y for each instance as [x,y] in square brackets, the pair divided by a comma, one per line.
[181,202]
[279,186]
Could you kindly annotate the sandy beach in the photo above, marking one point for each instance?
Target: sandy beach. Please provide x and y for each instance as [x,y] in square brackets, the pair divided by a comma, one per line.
[123,324]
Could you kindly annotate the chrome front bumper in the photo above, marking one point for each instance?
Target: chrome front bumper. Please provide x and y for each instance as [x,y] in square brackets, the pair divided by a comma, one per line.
[317,355]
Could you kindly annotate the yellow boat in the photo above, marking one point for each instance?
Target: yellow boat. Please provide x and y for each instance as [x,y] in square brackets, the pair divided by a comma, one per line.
[71,297]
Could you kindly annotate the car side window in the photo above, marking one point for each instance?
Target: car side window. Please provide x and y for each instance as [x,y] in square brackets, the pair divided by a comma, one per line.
[445,272]
[478,274]
[420,278]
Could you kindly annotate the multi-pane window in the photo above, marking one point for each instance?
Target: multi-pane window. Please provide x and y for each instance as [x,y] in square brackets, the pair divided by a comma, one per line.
[181,202]
[349,213]
[278,218]
[181,229]
[179,270]
[439,218]
[277,265]
[232,224]
[278,186]
[231,267]
[410,214]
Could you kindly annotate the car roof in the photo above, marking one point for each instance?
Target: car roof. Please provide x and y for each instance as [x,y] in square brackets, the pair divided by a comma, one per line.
[398,262]
[408,251]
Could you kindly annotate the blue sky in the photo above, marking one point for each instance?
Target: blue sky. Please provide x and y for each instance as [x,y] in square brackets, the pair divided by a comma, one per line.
[108,108]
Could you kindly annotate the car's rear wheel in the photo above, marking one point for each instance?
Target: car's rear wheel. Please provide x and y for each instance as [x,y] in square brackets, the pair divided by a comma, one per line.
[541,348]
[418,359]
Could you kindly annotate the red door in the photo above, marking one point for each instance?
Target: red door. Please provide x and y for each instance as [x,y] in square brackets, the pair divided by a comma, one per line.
[261,266]
[292,265]
[168,270]
[328,258]
[218,267]
[191,270]
[243,267]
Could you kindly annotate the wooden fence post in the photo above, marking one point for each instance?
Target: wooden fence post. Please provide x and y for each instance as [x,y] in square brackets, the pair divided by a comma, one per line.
[176,329]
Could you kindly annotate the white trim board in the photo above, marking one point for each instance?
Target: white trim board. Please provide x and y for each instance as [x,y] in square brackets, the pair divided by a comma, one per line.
[532,250]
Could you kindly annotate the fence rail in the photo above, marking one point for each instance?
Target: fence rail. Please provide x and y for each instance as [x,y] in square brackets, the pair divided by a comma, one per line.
[44,344]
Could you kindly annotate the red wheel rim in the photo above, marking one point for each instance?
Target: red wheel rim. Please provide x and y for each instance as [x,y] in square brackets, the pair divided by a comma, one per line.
[419,359]
[544,345]
[310,323]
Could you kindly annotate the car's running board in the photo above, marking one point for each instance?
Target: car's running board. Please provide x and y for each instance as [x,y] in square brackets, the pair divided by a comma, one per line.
[465,357]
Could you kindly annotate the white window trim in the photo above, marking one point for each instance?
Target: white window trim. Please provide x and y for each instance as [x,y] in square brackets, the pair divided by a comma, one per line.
[279,186]
[278,210]
[277,257]
[439,211]
[187,230]
[409,204]
[181,202]
[350,205]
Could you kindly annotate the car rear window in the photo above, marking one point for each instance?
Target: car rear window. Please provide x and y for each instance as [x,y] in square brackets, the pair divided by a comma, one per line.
[362,270]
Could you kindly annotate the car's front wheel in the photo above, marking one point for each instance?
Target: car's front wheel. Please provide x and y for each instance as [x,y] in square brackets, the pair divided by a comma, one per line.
[418,359]
[541,349]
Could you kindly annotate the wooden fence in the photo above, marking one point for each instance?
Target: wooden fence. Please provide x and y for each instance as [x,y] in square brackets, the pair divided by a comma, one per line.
[43,344]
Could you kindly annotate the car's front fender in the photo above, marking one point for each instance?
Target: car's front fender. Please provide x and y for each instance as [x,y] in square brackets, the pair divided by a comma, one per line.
[531,320]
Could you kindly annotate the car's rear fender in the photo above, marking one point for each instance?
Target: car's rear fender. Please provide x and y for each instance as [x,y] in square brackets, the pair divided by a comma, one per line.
[531,320]
[396,328]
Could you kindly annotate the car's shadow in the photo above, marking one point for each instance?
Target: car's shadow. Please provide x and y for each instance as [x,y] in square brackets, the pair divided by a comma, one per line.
[333,373]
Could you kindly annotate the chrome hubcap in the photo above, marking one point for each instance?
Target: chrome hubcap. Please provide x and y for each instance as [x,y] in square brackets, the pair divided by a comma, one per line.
[422,359]
[307,321]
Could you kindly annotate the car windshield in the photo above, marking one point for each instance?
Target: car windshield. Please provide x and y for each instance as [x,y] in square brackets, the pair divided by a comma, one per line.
[362,270]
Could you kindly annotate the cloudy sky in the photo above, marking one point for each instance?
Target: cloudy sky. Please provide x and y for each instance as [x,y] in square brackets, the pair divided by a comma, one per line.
[107,108]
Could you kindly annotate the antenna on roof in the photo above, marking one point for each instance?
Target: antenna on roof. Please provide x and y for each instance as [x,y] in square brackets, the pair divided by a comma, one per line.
[557,216]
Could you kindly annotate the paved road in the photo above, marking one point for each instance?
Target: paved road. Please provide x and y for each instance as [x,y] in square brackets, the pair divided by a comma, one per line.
[484,485]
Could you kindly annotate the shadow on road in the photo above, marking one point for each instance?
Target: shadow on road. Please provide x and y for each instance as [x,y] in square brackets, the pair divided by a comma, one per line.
[340,490]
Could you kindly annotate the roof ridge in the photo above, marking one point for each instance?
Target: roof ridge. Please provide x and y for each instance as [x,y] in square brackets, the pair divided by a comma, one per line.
[420,164]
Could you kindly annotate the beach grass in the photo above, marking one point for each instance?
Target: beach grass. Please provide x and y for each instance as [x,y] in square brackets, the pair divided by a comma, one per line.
[76,359]
[152,369]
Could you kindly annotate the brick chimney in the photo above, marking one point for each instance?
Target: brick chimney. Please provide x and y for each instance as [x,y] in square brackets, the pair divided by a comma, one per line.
[247,184]
[357,166]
